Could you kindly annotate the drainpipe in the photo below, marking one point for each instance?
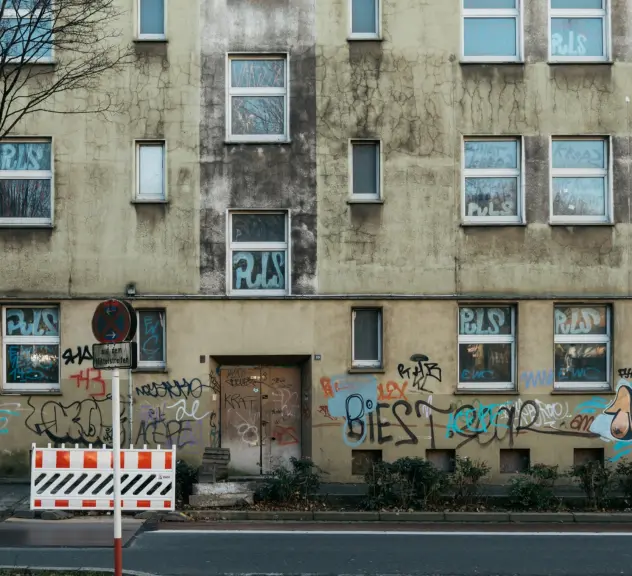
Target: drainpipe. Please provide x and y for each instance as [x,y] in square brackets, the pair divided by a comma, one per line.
[130,408]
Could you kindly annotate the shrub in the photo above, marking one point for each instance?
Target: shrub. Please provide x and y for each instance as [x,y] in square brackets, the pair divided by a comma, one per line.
[186,476]
[624,474]
[405,483]
[596,480]
[534,490]
[465,481]
[300,483]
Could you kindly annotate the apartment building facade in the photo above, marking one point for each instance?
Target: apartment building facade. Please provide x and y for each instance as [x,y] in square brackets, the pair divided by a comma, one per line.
[353,230]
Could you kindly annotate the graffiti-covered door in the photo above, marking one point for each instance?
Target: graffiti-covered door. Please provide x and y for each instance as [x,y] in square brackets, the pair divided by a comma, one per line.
[241,417]
[281,410]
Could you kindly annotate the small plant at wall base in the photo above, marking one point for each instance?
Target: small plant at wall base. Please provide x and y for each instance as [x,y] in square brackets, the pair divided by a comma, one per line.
[596,480]
[624,475]
[291,486]
[465,481]
[534,490]
[186,476]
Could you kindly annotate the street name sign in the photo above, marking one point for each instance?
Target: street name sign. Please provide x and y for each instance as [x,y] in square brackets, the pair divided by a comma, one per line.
[110,356]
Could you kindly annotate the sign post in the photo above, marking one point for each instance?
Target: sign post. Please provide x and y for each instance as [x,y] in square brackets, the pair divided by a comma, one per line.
[114,326]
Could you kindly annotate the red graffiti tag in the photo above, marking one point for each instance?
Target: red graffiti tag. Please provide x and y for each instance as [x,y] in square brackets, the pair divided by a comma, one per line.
[285,435]
[90,378]
[393,391]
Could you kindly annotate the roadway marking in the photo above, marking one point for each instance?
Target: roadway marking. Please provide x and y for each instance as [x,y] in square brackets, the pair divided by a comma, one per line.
[389,533]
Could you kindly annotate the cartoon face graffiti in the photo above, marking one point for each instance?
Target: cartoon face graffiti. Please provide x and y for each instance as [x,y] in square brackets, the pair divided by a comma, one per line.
[620,409]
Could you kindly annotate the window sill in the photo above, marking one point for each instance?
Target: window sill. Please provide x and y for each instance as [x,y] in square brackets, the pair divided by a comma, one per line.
[148,201]
[31,392]
[367,370]
[486,391]
[580,391]
[27,226]
[579,61]
[140,40]
[150,370]
[228,142]
[365,201]
[491,224]
[567,223]
[487,62]
[376,38]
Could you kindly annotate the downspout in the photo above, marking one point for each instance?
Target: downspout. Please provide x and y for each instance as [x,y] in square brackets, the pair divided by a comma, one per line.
[130,408]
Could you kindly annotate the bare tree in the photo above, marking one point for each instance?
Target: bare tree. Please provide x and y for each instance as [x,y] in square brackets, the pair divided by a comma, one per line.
[49,47]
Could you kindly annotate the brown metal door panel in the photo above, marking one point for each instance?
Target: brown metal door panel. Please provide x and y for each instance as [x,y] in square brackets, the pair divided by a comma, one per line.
[241,417]
[281,408]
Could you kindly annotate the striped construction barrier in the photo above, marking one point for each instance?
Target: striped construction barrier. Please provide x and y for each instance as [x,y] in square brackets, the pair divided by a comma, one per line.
[83,478]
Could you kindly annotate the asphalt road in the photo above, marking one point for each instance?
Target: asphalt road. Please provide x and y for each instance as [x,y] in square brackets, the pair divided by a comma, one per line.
[356,550]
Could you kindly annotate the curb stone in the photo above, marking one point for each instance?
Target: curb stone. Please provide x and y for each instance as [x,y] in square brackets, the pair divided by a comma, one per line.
[604,517]
[347,516]
[541,517]
[296,515]
[477,516]
[412,516]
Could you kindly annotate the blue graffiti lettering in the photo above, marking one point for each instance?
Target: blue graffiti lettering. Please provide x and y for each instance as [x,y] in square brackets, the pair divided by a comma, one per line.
[477,375]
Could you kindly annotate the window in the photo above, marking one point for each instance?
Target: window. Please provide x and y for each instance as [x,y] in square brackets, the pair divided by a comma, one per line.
[150,171]
[580,183]
[491,31]
[492,182]
[579,31]
[26,32]
[367,338]
[365,19]
[151,19]
[487,347]
[31,349]
[152,352]
[26,178]
[257,99]
[365,170]
[258,253]
[582,347]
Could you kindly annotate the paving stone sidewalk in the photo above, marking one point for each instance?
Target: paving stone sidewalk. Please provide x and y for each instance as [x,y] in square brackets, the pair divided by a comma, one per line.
[13,496]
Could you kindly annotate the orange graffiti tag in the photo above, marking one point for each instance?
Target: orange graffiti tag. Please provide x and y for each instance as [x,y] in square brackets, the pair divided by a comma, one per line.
[285,435]
[328,391]
[393,391]
[91,377]
[324,410]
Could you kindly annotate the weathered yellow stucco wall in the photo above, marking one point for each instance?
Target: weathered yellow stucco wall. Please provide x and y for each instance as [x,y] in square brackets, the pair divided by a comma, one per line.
[101,240]
[184,404]
[411,91]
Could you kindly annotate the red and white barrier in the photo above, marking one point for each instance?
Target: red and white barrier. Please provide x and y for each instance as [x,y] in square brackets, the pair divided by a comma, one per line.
[82,479]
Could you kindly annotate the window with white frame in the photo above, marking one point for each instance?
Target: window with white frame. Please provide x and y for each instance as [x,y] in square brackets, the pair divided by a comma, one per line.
[582,346]
[26,31]
[487,347]
[31,348]
[367,338]
[26,177]
[365,169]
[579,31]
[258,253]
[151,19]
[257,98]
[580,180]
[492,183]
[152,351]
[365,19]
[150,170]
[492,31]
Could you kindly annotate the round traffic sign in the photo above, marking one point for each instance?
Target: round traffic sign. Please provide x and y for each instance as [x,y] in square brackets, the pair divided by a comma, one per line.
[114,321]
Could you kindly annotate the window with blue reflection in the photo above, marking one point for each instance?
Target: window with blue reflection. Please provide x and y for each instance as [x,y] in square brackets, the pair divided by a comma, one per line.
[577,37]
[152,17]
[490,37]
[26,38]
[489,4]
[364,16]
[577,4]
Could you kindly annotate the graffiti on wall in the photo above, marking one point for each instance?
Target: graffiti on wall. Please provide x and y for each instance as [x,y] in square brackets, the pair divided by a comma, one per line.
[420,371]
[81,355]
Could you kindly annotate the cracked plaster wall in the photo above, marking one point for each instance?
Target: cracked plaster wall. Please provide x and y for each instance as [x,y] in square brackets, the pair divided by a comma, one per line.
[100,240]
[258,176]
[411,92]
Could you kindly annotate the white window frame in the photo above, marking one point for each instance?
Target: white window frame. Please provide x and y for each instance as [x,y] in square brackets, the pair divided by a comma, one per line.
[584,339]
[29,340]
[379,362]
[258,247]
[377,35]
[379,179]
[604,14]
[138,144]
[516,13]
[149,365]
[487,339]
[577,173]
[10,13]
[31,175]
[230,92]
[142,36]
[494,173]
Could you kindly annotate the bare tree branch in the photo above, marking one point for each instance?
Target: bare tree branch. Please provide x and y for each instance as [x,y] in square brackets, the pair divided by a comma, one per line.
[50,47]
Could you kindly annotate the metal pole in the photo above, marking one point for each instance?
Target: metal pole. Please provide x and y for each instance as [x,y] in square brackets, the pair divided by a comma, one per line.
[116,453]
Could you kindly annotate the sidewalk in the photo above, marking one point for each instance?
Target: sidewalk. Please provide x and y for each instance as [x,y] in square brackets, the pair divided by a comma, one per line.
[13,496]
